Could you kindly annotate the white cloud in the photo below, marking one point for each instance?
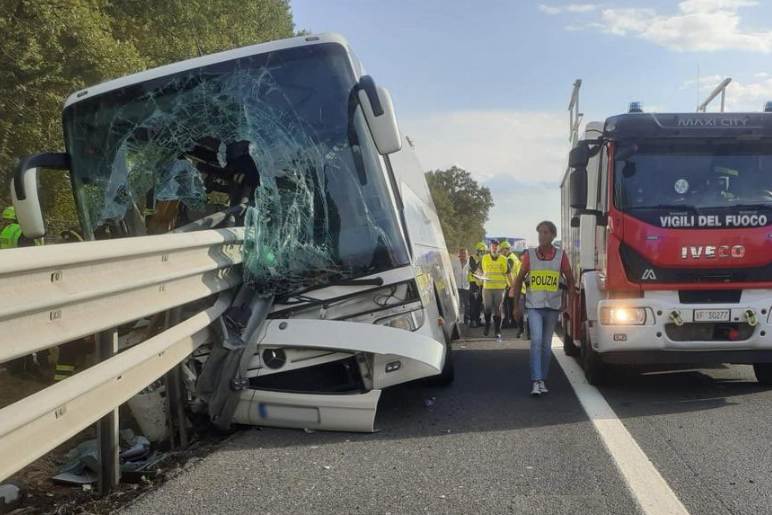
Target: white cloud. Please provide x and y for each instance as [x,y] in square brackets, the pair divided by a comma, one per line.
[552,10]
[706,82]
[740,96]
[521,206]
[702,6]
[747,97]
[520,155]
[547,9]
[698,25]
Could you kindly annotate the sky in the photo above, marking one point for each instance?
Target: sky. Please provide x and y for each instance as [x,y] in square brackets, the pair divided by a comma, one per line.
[485,86]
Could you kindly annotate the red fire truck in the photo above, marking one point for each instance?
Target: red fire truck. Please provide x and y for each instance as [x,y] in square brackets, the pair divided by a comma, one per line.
[667,219]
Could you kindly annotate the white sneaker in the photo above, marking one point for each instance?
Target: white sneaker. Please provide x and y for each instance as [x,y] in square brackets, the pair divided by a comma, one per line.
[536,391]
[542,387]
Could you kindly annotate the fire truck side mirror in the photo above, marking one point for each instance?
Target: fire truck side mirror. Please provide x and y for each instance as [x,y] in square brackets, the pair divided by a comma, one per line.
[574,222]
[578,159]
[578,189]
[579,156]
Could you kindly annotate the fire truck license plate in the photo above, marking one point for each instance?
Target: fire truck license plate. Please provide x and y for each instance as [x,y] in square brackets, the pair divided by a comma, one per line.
[711,315]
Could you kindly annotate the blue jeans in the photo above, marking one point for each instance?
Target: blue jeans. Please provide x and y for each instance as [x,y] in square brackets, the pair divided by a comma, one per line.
[542,322]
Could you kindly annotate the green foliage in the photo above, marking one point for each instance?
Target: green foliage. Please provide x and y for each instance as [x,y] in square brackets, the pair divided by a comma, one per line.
[462,206]
[175,30]
[51,48]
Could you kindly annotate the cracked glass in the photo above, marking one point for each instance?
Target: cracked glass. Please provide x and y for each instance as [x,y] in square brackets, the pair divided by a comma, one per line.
[280,133]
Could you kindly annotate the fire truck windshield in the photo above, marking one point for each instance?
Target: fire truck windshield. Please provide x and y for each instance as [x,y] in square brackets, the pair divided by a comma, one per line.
[695,174]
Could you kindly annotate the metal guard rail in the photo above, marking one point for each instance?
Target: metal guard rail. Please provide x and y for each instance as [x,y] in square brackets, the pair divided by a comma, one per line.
[64,292]
[61,293]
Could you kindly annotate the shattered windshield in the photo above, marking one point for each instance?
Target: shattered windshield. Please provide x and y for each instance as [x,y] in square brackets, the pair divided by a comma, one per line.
[699,174]
[279,133]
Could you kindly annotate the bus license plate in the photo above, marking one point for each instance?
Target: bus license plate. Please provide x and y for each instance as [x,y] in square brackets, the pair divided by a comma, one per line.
[711,315]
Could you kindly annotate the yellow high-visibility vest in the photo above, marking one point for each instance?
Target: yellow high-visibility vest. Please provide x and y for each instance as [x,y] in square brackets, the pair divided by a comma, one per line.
[9,237]
[495,272]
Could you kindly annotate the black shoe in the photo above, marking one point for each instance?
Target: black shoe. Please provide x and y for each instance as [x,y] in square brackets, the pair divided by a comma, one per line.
[487,330]
[498,335]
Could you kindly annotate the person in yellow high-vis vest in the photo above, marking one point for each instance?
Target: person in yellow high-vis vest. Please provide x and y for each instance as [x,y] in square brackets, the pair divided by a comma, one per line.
[11,235]
[496,274]
[546,273]
[507,318]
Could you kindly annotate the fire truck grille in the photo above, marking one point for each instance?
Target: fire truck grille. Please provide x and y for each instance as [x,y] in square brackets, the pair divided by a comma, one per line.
[722,332]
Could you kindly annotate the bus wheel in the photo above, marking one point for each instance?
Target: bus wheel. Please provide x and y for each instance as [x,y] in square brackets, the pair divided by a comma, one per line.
[448,374]
[763,373]
[592,364]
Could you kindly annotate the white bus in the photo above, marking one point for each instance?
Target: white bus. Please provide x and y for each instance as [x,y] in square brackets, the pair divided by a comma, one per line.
[348,284]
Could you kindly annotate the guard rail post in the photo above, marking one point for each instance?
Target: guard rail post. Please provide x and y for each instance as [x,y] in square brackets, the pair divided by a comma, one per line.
[174,400]
[107,426]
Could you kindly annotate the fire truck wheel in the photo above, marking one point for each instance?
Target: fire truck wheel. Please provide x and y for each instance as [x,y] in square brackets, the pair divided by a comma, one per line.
[763,373]
[570,347]
[592,364]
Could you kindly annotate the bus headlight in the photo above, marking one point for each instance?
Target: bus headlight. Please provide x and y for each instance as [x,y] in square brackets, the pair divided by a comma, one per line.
[623,316]
[409,321]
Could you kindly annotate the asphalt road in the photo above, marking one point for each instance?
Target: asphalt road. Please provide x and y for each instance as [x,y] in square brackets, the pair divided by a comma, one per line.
[486,446]
[707,430]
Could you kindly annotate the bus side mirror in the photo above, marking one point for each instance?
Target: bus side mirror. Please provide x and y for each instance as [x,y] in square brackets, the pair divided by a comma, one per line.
[379,113]
[25,194]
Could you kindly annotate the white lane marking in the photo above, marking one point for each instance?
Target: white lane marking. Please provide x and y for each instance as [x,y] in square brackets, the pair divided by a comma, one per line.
[647,486]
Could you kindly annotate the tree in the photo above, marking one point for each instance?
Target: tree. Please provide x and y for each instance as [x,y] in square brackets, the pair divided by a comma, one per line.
[462,206]
[175,30]
[52,48]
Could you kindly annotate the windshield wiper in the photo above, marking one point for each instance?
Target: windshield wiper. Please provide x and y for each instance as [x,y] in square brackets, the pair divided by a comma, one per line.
[300,296]
[760,205]
[680,207]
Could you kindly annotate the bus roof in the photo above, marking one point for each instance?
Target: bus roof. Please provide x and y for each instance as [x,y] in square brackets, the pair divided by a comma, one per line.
[198,62]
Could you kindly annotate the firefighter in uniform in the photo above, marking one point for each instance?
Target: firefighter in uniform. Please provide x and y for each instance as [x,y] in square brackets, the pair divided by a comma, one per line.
[548,272]
[496,274]
[475,285]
